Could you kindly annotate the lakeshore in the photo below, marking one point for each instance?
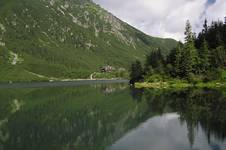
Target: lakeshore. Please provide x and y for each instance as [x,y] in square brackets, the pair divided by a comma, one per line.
[179,85]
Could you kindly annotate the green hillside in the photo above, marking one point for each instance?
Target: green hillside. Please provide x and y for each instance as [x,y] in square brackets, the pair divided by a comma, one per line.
[66,39]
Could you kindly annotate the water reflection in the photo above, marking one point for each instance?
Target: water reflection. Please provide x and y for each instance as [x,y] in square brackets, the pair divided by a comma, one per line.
[164,133]
[111,116]
[84,117]
[198,124]
[137,94]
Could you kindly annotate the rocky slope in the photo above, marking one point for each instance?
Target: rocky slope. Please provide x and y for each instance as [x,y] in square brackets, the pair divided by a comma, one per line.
[66,39]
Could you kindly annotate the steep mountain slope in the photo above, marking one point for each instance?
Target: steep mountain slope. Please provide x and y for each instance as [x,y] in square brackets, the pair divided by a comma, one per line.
[66,39]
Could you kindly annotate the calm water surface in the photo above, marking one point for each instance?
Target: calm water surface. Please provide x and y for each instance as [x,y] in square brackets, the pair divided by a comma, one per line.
[110,116]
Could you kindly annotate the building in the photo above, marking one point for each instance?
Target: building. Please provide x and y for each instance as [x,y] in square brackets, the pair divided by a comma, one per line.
[107,68]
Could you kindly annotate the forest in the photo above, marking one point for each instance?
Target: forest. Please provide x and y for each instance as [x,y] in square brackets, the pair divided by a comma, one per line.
[201,58]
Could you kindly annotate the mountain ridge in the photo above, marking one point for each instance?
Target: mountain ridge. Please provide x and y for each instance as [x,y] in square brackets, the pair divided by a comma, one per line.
[68,39]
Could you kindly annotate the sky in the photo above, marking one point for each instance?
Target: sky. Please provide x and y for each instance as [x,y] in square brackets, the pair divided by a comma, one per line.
[166,18]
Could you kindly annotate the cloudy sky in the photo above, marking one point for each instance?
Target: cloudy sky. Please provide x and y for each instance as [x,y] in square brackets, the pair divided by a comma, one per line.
[166,18]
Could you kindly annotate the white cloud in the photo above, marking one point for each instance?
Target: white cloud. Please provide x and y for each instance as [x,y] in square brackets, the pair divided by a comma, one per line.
[165,18]
[217,10]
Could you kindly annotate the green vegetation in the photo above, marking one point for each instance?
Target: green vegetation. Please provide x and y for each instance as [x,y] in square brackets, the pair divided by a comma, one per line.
[199,62]
[178,84]
[136,72]
[111,75]
[67,39]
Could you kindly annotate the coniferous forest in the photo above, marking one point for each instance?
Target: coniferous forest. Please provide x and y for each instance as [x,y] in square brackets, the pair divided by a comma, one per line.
[201,58]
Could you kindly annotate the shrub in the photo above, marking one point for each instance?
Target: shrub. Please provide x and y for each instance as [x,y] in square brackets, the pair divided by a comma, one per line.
[213,75]
[194,79]
[154,78]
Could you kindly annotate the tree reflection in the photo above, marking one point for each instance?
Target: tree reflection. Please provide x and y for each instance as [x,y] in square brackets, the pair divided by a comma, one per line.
[91,118]
[197,107]
[136,94]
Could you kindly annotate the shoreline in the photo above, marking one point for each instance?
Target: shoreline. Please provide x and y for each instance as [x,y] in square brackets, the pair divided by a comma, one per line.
[56,80]
[59,83]
[181,85]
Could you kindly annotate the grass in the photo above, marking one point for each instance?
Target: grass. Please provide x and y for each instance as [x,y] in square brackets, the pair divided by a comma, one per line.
[157,81]
[43,52]
[111,75]
[179,84]
[162,85]
[17,74]
[167,85]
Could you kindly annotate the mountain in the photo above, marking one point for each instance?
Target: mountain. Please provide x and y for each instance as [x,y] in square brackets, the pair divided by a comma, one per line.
[66,39]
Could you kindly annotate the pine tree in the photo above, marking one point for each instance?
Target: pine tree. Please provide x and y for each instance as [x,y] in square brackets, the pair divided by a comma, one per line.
[219,55]
[215,36]
[205,27]
[188,32]
[189,55]
[136,72]
[178,59]
[204,57]
[155,60]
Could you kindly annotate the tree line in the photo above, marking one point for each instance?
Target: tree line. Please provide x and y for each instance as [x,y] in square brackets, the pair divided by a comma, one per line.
[202,56]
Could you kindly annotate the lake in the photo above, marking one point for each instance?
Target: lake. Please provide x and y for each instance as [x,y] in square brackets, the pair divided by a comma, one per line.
[110,116]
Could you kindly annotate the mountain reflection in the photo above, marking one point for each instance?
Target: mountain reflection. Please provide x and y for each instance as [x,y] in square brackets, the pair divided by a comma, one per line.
[95,117]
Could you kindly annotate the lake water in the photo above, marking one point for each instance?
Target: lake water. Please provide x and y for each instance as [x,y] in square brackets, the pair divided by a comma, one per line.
[110,116]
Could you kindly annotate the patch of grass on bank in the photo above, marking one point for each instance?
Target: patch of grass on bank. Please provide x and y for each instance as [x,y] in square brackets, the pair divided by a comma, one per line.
[164,82]
[162,85]
[16,74]
[111,75]
[179,85]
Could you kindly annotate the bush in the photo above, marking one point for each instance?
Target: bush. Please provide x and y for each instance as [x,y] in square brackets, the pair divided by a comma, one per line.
[122,74]
[213,75]
[154,78]
[223,76]
[194,79]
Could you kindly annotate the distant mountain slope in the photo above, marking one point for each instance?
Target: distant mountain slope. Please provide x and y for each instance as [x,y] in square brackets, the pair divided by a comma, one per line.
[67,39]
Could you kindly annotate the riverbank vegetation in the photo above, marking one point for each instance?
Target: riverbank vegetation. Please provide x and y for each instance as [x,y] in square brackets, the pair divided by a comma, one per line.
[199,61]
[111,75]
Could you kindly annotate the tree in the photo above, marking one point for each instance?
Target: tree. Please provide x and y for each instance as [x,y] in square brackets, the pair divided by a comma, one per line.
[219,53]
[189,54]
[205,27]
[188,32]
[136,72]
[215,36]
[219,57]
[204,57]
[202,35]
[178,59]
[155,62]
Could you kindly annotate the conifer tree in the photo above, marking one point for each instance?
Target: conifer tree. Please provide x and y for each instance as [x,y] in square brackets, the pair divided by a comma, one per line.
[205,27]
[204,57]
[155,60]
[189,54]
[136,72]
[178,59]
[219,55]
